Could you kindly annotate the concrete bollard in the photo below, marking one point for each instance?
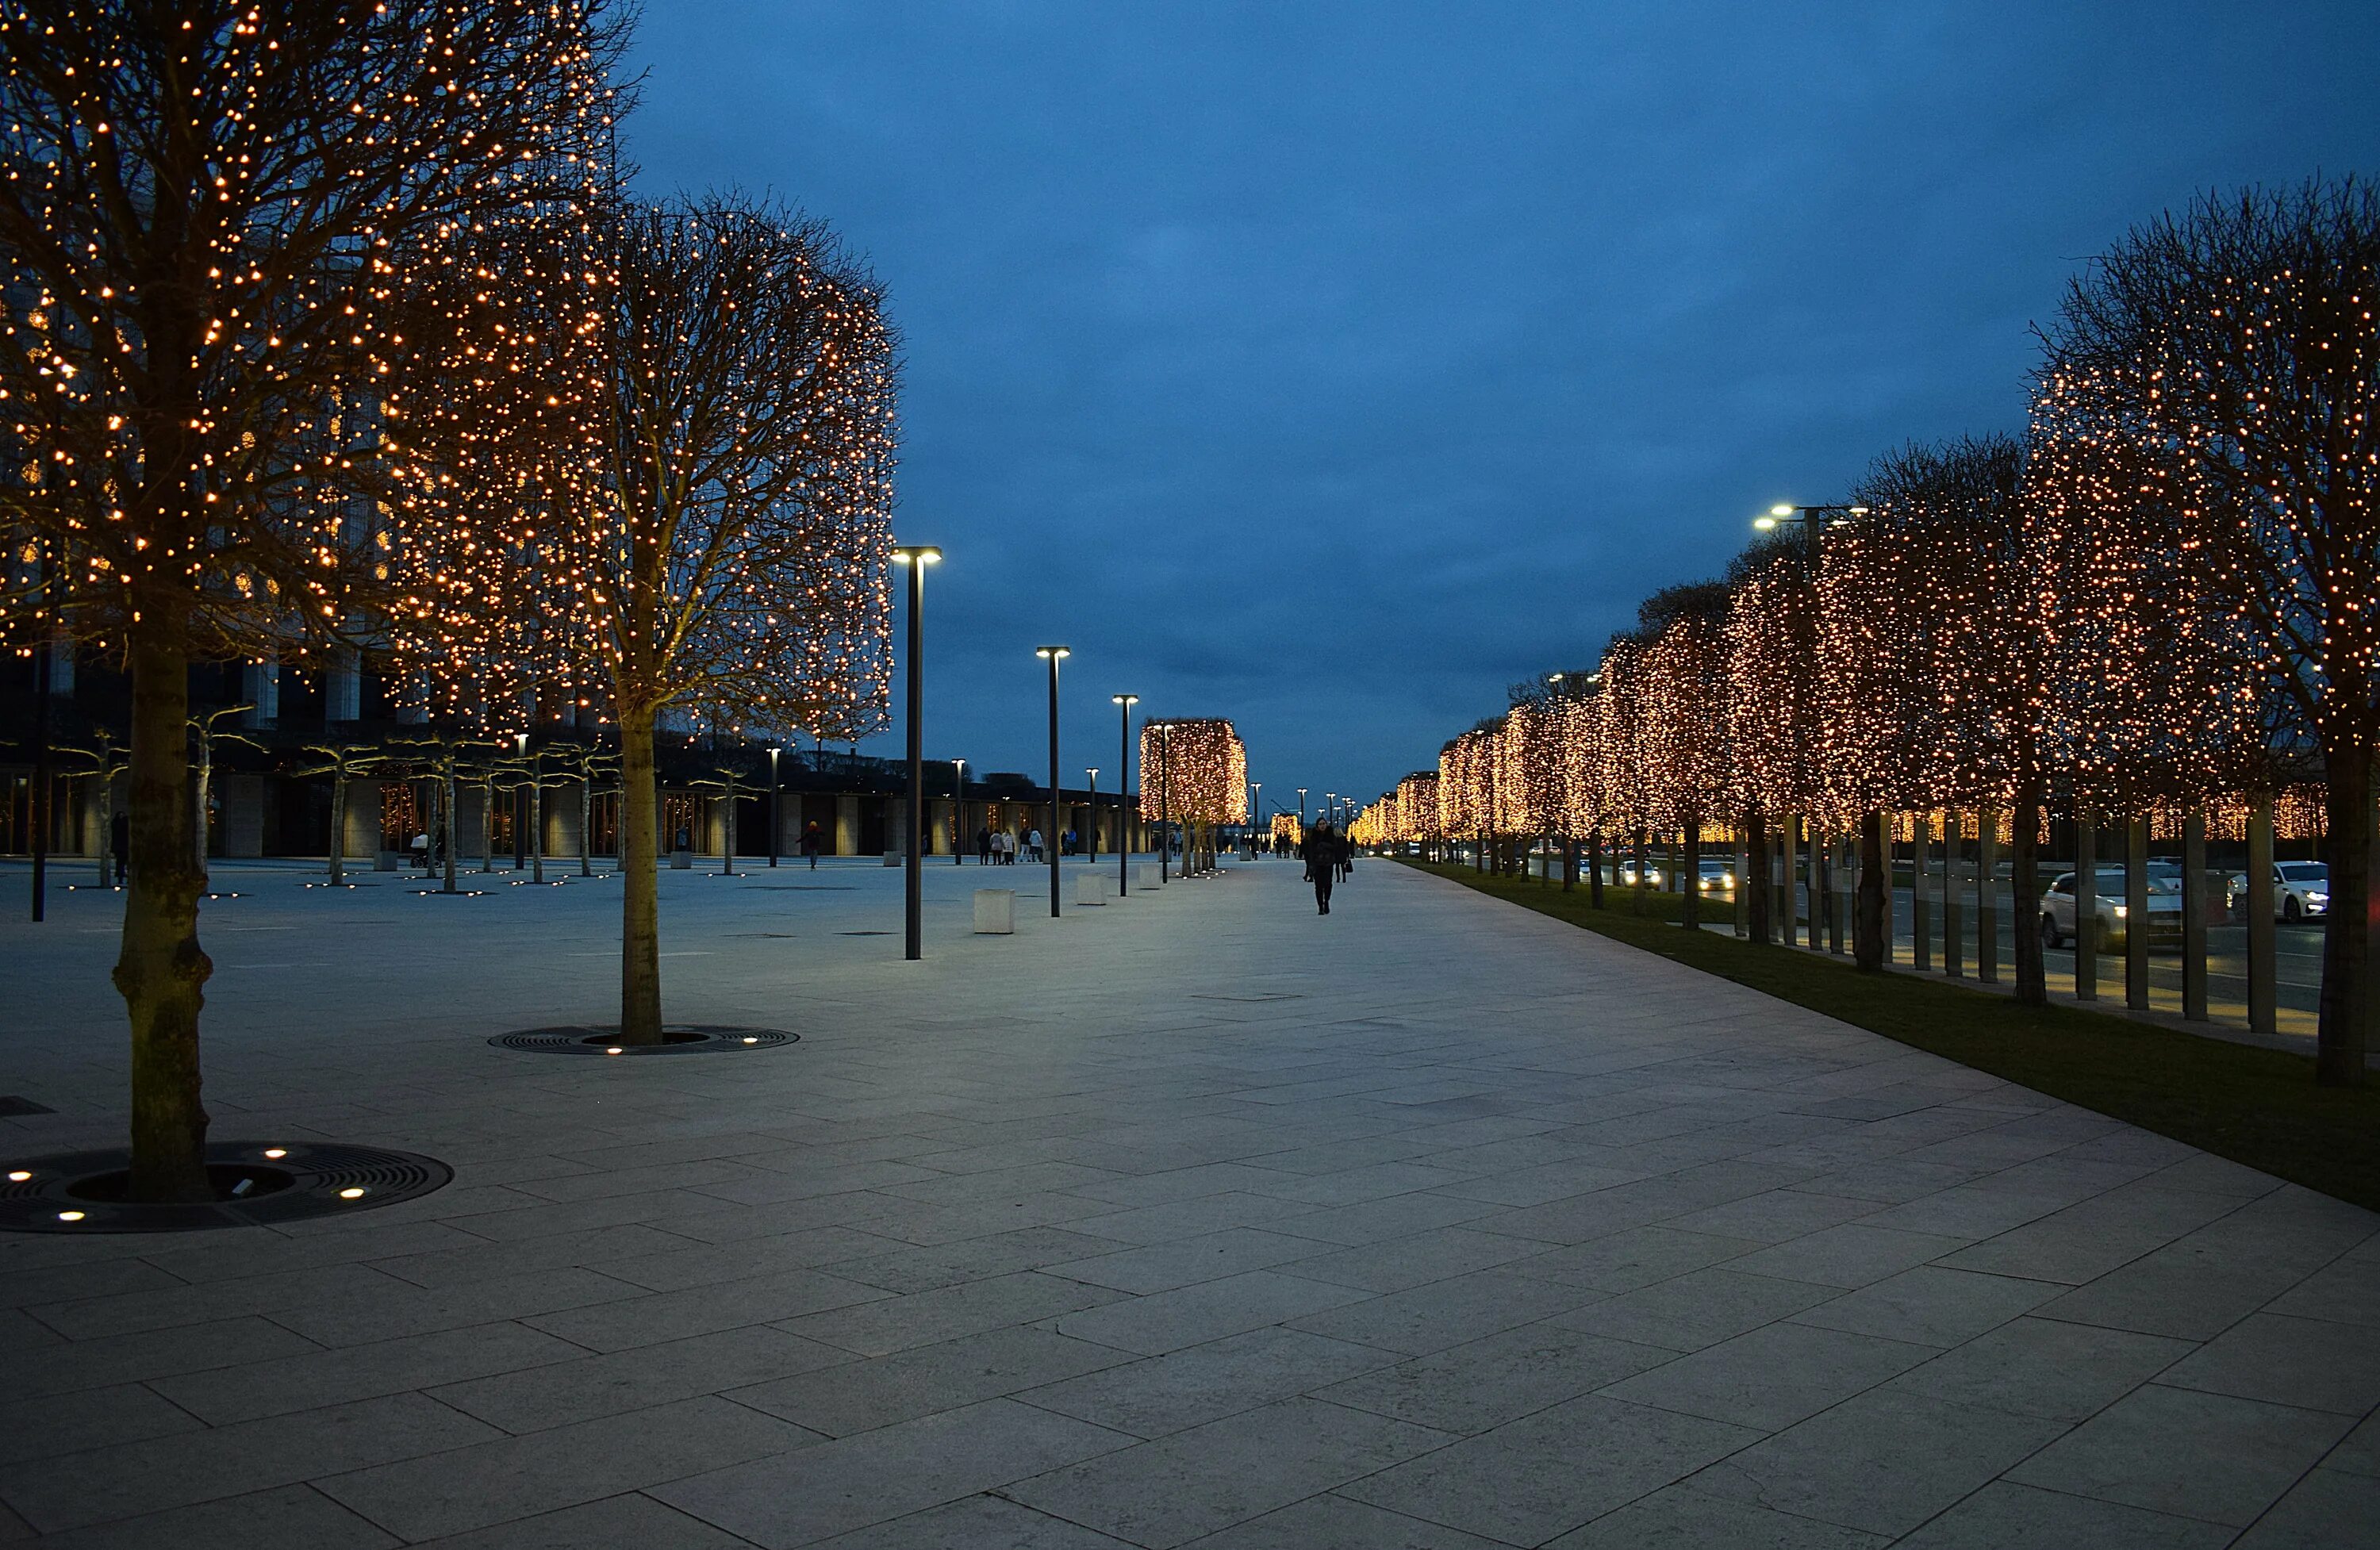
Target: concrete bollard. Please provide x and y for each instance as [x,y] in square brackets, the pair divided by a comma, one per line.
[1147,877]
[1090,888]
[680,861]
[895,858]
[995,912]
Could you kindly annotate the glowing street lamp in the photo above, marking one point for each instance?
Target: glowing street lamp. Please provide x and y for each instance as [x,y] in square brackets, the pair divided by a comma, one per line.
[1123,704]
[1053,655]
[916,557]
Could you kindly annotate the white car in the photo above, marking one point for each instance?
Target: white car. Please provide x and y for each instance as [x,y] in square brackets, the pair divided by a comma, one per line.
[1718,876]
[2300,890]
[2164,922]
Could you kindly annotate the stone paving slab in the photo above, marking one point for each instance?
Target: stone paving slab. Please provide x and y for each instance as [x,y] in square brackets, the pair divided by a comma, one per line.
[1197,1221]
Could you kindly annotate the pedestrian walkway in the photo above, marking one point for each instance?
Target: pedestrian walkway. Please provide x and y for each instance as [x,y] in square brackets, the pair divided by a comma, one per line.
[1194,1219]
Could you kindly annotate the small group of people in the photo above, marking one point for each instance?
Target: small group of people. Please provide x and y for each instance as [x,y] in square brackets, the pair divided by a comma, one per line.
[1328,858]
[1001,847]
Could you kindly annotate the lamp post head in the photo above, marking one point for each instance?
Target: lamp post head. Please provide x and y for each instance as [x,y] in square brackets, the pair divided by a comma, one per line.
[1052,653]
[1126,699]
[1765,523]
[918,554]
[522,740]
[1092,770]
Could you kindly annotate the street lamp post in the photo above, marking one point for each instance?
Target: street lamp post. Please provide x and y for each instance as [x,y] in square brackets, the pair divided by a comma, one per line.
[1255,814]
[913,881]
[1123,704]
[774,787]
[1053,655]
[1091,824]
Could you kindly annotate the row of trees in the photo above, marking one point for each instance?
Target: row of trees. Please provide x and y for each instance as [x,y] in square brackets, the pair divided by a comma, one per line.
[332,326]
[2164,596]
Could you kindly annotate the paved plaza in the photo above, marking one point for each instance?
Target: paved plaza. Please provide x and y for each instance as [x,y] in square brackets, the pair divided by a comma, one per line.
[1193,1219]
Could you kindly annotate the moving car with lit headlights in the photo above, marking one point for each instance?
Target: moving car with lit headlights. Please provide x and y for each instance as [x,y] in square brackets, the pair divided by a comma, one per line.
[1718,876]
[1627,874]
[2300,890]
[2113,923]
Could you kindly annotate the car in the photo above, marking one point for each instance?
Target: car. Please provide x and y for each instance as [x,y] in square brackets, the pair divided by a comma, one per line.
[2163,925]
[1718,876]
[2300,890]
[1626,873]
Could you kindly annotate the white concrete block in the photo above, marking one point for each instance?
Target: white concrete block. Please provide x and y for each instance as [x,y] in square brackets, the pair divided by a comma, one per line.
[1090,888]
[995,912]
[1147,877]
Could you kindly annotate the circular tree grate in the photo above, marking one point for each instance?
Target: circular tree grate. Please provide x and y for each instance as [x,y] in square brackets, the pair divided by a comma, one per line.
[678,1039]
[257,1182]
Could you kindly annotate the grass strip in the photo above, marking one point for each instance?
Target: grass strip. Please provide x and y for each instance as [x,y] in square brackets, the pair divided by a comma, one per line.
[2253,1105]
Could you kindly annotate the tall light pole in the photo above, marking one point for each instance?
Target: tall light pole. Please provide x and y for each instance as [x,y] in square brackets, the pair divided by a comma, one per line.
[1053,655]
[774,787]
[1255,814]
[913,881]
[1091,827]
[1123,704]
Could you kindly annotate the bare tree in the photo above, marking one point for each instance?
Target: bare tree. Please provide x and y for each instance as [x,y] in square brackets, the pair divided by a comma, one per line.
[205,732]
[197,204]
[2236,343]
[344,763]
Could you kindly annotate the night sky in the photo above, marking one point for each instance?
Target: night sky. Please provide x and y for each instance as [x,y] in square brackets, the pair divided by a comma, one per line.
[1331,367]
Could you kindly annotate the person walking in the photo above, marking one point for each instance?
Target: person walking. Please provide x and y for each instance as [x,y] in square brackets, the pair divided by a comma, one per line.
[1033,846]
[119,840]
[1321,854]
[810,843]
[983,845]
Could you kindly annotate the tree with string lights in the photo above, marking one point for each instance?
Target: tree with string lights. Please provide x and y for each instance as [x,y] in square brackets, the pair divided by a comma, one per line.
[1772,704]
[1683,741]
[2236,340]
[1194,772]
[1937,661]
[664,484]
[199,208]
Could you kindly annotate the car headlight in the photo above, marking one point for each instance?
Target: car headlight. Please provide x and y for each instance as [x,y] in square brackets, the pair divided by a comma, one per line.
[2120,912]
[2313,898]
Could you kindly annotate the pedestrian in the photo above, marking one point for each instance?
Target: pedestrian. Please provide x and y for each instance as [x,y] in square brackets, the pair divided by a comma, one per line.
[421,848]
[810,843]
[1033,845]
[119,839]
[983,845]
[1322,864]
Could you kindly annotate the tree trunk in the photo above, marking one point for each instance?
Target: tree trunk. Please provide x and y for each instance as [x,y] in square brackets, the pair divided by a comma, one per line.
[587,824]
[103,848]
[2024,894]
[2347,938]
[1636,895]
[640,946]
[487,823]
[161,972]
[1755,878]
[338,827]
[1691,879]
[1595,867]
[1872,930]
[449,832]
[206,779]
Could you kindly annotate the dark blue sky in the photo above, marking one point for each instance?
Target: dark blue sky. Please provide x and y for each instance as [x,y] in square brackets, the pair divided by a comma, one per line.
[1330,367]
